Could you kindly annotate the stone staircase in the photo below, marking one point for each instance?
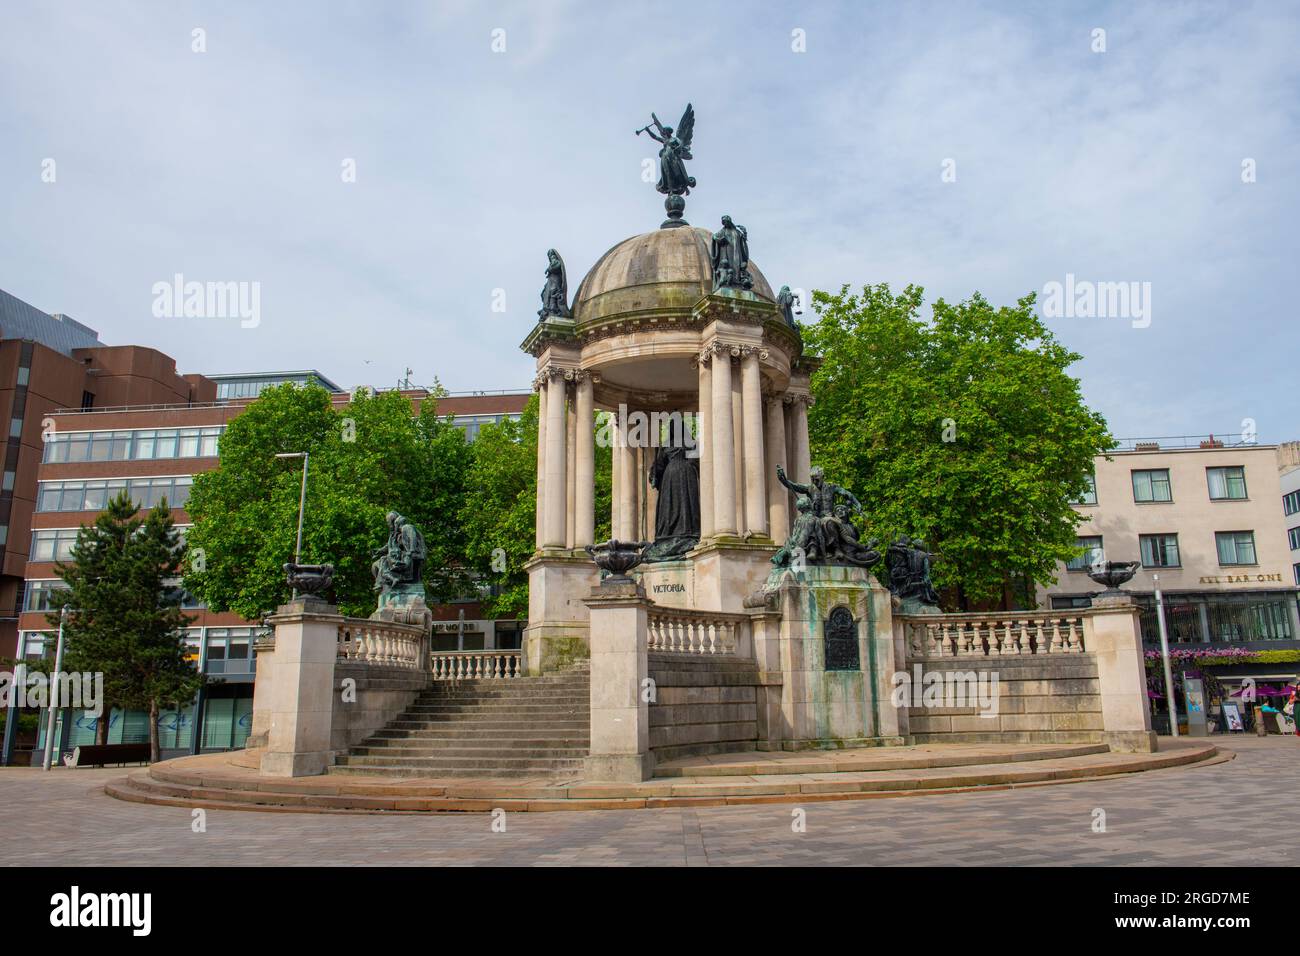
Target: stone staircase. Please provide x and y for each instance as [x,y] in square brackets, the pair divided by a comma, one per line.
[521,727]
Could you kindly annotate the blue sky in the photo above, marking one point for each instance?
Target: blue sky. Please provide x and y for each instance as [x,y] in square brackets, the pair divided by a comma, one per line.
[225,166]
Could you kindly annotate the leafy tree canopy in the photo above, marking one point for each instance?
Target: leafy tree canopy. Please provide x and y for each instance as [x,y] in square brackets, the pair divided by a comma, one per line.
[367,457]
[966,430]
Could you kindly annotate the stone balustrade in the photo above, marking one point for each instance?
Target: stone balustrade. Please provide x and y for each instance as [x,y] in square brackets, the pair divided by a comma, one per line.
[992,634]
[474,665]
[381,643]
[704,633]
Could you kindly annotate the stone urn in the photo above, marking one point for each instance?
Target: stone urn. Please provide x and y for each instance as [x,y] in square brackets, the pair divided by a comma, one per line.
[1112,574]
[309,579]
[616,558]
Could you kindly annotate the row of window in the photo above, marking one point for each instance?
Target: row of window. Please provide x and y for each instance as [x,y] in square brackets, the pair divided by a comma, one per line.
[55,544]
[140,444]
[1153,484]
[1291,503]
[1161,550]
[94,495]
[223,650]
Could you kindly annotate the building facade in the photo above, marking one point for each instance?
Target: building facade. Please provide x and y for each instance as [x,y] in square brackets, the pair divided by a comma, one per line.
[1206,523]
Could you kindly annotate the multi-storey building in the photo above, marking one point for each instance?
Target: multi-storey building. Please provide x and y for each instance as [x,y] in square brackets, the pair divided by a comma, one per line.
[1288,466]
[93,453]
[1205,519]
[49,362]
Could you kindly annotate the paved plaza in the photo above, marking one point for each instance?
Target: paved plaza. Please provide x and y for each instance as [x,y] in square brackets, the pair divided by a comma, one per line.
[1219,815]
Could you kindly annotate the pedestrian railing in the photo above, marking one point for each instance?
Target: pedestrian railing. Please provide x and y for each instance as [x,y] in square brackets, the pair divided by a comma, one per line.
[993,634]
[475,665]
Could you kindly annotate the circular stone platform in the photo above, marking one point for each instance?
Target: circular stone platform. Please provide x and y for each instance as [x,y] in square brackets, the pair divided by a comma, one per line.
[227,781]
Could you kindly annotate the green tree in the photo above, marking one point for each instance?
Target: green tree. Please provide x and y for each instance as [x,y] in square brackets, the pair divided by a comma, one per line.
[124,619]
[367,457]
[500,506]
[966,430]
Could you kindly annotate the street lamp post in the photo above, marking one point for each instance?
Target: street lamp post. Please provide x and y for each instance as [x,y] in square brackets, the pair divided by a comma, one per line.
[1164,655]
[302,505]
[54,691]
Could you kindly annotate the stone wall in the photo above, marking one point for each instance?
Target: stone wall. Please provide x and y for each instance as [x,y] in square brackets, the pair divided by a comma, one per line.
[702,706]
[382,693]
[1050,698]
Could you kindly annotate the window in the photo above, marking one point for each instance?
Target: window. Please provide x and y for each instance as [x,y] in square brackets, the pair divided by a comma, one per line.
[1235,547]
[1091,553]
[144,444]
[1089,497]
[54,544]
[16,427]
[1293,537]
[23,374]
[1295,570]
[1152,485]
[1159,550]
[1226,482]
[1291,502]
[230,650]
[38,594]
[94,494]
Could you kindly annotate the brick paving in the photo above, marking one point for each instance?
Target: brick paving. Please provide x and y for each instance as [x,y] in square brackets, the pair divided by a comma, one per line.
[1237,813]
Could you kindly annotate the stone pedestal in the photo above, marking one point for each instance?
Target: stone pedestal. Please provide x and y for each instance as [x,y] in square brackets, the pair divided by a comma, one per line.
[296,696]
[830,708]
[558,624]
[1113,634]
[727,571]
[668,583]
[620,711]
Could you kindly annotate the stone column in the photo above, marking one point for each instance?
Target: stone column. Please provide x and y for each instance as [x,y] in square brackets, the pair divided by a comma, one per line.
[800,466]
[626,490]
[1112,632]
[541,464]
[738,452]
[615,478]
[301,695]
[723,446]
[556,464]
[778,509]
[703,441]
[755,485]
[570,473]
[584,529]
[620,714]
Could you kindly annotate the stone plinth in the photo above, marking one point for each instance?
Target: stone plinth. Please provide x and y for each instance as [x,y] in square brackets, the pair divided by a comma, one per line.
[296,696]
[620,710]
[821,708]
[1113,634]
[728,570]
[668,583]
[558,623]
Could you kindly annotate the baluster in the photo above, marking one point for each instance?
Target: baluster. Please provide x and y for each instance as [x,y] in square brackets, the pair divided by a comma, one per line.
[1076,635]
[1057,646]
[1040,639]
[1008,638]
[948,648]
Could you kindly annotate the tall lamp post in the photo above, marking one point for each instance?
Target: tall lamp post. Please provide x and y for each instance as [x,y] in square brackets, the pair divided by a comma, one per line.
[54,691]
[1164,655]
[302,505]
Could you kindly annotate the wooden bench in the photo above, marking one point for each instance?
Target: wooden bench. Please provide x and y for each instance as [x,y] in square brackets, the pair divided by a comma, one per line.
[96,755]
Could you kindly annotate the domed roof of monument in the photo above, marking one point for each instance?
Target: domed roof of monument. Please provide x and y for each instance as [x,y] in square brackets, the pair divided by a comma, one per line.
[664,269]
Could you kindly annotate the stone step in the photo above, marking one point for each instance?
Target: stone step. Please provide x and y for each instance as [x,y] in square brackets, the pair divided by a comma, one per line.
[449,766]
[494,753]
[547,695]
[548,775]
[488,722]
[481,738]
[521,710]
[521,700]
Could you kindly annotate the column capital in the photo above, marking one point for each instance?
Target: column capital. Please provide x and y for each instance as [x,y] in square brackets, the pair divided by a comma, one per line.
[551,371]
[799,398]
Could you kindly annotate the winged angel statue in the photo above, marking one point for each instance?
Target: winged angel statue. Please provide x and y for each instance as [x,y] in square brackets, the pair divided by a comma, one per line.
[676,149]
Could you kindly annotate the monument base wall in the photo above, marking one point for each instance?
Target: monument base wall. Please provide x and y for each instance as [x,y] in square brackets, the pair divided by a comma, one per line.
[702,706]
[1047,699]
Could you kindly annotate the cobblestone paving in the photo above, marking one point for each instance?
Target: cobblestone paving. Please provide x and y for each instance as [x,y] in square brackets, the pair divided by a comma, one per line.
[1220,815]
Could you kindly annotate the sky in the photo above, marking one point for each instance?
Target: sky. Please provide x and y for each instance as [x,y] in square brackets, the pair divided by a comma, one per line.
[390,173]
